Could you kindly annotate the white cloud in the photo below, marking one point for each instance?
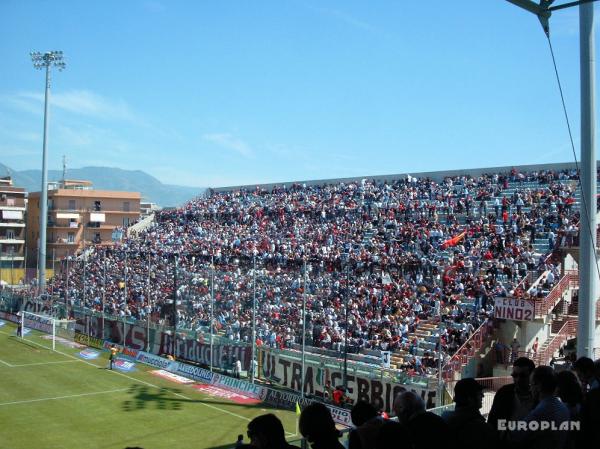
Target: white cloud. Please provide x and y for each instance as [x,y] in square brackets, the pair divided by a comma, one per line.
[81,102]
[14,151]
[230,142]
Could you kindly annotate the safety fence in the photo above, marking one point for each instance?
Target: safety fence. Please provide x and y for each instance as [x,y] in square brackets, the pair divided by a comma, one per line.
[550,301]
[471,347]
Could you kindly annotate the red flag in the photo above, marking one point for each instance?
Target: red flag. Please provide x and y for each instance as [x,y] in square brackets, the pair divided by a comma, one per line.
[454,240]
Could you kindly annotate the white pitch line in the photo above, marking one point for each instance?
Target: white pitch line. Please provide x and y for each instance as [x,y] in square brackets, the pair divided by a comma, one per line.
[28,401]
[43,363]
[141,381]
[6,363]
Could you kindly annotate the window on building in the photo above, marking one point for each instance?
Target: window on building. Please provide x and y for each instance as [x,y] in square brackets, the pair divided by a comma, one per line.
[97,238]
[125,206]
[125,221]
[10,202]
[72,205]
[97,206]
[71,237]
[10,234]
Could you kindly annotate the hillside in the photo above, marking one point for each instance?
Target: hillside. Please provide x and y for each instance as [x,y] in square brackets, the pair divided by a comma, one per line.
[108,178]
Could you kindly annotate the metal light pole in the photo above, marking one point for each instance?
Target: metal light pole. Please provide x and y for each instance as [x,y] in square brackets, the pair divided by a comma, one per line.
[174,304]
[346,320]
[53,270]
[126,299]
[253,314]
[149,306]
[84,265]
[303,328]
[587,255]
[103,289]
[67,287]
[40,61]
[212,302]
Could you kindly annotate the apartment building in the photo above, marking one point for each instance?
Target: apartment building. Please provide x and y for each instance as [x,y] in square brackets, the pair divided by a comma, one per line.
[147,208]
[79,216]
[13,205]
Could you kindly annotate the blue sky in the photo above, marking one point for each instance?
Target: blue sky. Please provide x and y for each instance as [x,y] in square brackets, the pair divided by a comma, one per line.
[223,93]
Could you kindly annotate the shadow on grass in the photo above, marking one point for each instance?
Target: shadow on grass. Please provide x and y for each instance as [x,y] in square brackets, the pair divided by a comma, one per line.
[24,342]
[144,397]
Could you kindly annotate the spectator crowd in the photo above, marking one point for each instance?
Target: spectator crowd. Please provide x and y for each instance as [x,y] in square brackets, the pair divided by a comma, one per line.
[542,408]
[371,261]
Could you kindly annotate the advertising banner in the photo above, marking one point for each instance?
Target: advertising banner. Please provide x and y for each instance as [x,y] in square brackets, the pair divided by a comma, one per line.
[134,354]
[89,341]
[89,354]
[217,392]
[239,386]
[153,360]
[288,401]
[193,372]
[171,376]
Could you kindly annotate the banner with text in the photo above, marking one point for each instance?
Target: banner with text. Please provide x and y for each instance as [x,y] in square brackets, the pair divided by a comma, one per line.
[380,392]
[514,309]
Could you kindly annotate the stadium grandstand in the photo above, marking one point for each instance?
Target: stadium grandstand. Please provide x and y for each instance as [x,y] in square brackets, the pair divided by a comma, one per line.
[368,287]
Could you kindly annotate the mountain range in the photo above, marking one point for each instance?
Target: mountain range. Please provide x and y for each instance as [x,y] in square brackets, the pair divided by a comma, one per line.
[109,178]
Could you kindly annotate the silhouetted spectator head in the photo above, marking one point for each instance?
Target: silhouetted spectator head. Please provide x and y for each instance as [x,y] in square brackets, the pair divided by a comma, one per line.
[316,424]
[362,412]
[543,382]
[569,388]
[429,431]
[266,432]
[468,393]
[406,405]
[393,435]
[521,372]
[584,367]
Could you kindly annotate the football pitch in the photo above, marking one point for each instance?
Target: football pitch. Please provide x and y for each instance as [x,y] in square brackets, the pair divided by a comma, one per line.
[56,399]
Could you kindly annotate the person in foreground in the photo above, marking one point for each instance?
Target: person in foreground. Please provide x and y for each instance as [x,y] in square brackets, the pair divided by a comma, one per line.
[266,432]
[317,426]
[466,422]
[549,409]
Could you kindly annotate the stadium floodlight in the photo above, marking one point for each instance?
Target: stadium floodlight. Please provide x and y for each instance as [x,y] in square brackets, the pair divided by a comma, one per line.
[40,61]
[588,269]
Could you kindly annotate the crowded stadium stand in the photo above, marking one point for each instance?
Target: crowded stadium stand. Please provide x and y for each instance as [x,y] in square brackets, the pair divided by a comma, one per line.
[415,265]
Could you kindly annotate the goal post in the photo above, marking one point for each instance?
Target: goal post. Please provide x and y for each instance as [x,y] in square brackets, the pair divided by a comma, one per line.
[57,329]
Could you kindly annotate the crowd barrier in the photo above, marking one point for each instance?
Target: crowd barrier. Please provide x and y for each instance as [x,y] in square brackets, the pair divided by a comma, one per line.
[279,368]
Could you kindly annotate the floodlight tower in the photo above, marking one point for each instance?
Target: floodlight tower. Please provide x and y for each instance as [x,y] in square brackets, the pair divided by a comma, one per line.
[40,61]
[588,256]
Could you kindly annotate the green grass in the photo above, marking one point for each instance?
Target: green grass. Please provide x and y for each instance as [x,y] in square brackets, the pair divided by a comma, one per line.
[58,400]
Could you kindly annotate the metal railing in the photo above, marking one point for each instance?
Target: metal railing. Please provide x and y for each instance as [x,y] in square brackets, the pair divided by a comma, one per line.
[568,330]
[545,305]
[467,350]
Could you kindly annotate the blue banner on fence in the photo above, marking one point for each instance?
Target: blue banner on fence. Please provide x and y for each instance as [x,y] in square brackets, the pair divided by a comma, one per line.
[155,361]
[124,365]
[89,354]
[194,372]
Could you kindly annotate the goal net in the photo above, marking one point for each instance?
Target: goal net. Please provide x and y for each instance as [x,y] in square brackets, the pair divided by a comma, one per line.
[32,324]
